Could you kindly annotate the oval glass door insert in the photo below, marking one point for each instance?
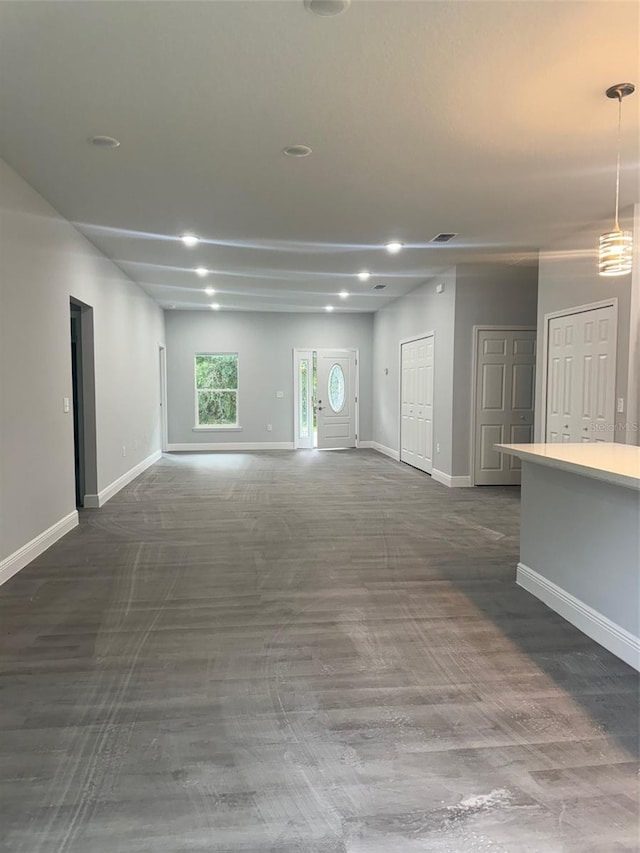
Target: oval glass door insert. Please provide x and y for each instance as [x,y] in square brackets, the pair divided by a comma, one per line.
[336,388]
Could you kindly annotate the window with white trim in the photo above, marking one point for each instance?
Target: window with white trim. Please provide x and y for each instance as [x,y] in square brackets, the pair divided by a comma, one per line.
[216,379]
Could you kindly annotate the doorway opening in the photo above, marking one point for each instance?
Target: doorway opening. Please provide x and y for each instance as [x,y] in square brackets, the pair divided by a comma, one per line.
[325,393]
[84,404]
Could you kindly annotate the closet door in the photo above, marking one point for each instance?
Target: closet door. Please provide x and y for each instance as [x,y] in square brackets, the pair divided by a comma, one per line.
[416,389]
[581,376]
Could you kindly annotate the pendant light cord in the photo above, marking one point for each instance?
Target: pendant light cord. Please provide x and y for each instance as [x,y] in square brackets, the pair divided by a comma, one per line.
[617,224]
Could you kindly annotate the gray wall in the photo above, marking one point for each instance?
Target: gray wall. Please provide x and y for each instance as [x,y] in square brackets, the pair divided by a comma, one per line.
[422,310]
[489,294]
[43,262]
[473,294]
[582,534]
[264,343]
[569,278]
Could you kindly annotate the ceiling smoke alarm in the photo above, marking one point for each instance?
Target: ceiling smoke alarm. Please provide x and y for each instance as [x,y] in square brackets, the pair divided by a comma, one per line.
[327,8]
[296,151]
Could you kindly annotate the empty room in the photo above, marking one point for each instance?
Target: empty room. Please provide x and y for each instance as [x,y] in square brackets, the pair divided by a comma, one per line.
[319,426]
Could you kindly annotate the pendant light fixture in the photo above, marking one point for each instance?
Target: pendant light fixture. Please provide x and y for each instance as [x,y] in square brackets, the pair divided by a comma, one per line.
[616,247]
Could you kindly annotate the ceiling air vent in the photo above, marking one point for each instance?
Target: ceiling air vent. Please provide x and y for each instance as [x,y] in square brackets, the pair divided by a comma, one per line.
[378,286]
[443,238]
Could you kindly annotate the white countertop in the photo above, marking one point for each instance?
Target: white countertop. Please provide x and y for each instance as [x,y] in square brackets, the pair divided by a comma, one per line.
[613,463]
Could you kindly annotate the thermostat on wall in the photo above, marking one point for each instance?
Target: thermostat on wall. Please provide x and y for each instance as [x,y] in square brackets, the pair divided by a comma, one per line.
[440,288]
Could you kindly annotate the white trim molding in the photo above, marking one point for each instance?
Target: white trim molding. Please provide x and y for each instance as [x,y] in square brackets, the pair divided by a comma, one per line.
[12,564]
[617,640]
[230,445]
[381,448]
[95,501]
[453,482]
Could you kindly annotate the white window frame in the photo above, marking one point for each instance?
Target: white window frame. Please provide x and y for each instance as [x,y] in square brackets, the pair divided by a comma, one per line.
[216,427]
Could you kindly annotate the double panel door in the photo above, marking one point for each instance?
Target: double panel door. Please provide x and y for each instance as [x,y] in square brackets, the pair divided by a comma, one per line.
[581,374]
[416,425]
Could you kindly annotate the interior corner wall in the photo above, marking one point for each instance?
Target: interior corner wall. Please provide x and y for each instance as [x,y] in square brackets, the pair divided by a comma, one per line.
[420,311]
[486,294]
[264,342]
[568,278]
[44,261]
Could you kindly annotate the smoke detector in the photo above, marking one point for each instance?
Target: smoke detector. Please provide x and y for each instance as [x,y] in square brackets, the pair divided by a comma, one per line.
[327,8]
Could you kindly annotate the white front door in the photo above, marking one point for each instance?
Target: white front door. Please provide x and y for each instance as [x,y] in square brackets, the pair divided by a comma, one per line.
[581,376]
[336,398]
[416,389]
[505,383]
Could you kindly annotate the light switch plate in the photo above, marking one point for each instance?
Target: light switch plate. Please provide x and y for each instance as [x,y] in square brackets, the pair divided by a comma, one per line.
[65,404]
[620,407]
[279,394]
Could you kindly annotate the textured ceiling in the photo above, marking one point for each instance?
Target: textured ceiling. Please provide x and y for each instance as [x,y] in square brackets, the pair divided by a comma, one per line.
[486,119]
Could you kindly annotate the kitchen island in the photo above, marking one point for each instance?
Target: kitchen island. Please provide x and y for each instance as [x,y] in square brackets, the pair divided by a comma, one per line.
[580,537]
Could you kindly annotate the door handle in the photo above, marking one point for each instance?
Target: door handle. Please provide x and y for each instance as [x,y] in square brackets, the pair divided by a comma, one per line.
[320,408]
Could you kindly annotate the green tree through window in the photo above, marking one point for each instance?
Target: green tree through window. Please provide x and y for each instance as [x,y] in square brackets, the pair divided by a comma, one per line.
[216,389]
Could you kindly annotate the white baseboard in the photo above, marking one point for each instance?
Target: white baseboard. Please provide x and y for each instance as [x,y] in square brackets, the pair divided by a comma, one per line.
[95,501]
[454,482]
[387,451]
[12,564]
[617,640]
[231,445]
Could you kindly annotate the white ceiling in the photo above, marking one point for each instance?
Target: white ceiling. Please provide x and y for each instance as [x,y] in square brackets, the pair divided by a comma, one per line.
[484,118]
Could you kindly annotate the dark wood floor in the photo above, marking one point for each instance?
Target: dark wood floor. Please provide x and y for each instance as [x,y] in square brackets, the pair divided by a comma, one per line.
[304,653]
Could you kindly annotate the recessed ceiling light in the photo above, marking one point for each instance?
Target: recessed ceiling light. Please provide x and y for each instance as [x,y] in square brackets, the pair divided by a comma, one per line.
[209,291]
[105,141]
[215,306]
[394,246]
[190,240]
[297,151]
[364,275]
[343,294]
[327,8]
[202,271]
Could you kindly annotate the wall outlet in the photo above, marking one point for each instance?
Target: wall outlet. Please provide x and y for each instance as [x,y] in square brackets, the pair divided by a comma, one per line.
[65,404]
[438,448]
[280,394]
[440,288]
[620,407]
[269,427]
[124,450]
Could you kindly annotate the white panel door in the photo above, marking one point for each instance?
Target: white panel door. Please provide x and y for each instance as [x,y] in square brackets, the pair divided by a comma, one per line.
[416,389]
[505,383]
[581,374]
[336,395]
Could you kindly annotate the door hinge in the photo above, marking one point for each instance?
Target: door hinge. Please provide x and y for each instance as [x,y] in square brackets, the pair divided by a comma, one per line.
[356,399]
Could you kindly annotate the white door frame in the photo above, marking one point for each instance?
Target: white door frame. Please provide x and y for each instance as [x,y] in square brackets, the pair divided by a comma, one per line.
[296,403]
[429,334]
[474,386]
[544,366]
[164,430]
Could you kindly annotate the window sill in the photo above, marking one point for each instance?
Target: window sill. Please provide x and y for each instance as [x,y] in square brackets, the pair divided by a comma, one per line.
[217,429]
